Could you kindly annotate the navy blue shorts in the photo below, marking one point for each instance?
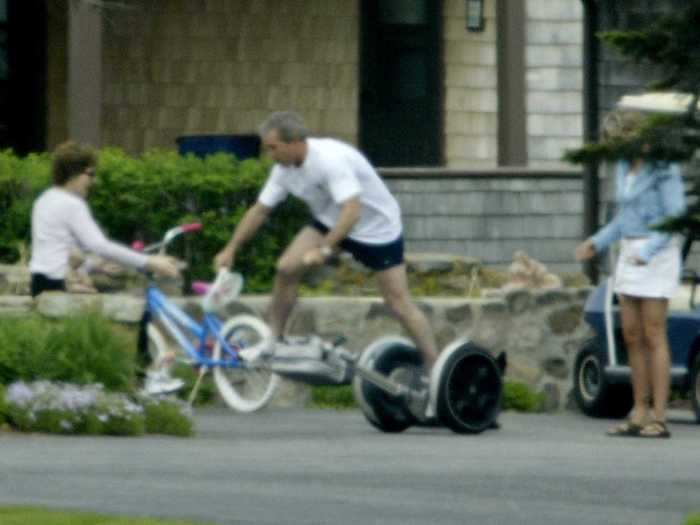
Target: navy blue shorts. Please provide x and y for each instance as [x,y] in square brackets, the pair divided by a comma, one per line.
[41,283]
[376,257]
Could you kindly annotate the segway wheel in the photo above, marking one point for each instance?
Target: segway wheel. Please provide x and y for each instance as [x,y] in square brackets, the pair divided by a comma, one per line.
[469,390]
[384,411]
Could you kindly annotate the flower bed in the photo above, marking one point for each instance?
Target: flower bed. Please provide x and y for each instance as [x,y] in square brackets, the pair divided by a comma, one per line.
[64,408]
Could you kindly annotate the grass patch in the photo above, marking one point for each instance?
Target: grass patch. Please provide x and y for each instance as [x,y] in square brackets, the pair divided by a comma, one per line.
[337,397]
[521,398]
[516,396]
[38,516]
[693,519]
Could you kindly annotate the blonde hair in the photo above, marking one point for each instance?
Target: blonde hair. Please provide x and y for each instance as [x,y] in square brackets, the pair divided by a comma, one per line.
[622,124]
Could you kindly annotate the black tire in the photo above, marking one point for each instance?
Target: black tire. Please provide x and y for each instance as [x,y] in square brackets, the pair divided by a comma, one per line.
[384,411]
[594,395]
[470,389]
[695,387]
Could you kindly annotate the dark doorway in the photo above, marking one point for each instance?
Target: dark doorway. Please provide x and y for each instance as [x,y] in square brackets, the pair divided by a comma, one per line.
[23,75]
[401,73]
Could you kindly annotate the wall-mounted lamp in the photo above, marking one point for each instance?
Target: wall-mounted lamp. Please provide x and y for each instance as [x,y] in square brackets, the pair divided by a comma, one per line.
[475,15]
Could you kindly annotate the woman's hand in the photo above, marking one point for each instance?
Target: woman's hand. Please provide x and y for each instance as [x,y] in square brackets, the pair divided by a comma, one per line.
[164,265]
[585,250]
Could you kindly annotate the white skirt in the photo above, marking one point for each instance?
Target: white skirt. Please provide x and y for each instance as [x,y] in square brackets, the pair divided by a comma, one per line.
[658,278]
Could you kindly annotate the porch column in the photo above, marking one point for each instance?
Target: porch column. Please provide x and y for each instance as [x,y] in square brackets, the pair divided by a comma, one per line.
[84,72]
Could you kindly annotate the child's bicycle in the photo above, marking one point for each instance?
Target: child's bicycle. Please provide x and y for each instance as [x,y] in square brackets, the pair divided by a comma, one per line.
[463,391]
[211,344]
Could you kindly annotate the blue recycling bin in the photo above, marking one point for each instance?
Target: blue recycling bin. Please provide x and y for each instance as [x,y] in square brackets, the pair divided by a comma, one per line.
[242,146]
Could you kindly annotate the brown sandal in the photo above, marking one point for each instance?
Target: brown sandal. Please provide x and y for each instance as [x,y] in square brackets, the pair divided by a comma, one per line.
[627,429]
[655,429]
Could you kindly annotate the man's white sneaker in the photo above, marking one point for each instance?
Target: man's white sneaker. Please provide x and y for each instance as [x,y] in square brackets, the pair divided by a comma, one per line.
[161,383]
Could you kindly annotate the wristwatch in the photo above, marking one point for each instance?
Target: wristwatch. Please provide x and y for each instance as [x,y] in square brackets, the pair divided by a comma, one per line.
[325,250]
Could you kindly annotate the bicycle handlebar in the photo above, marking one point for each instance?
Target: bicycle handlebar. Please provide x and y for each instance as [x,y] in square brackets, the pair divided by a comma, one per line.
[192,227]
[167,238]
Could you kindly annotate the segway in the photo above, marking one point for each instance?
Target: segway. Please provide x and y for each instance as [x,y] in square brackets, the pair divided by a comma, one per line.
[463,391]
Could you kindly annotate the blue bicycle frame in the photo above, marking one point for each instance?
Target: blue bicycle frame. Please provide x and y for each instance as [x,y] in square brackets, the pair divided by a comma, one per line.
[174,319]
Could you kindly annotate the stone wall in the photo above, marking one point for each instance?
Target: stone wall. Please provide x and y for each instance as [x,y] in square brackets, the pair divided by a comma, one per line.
[540,330]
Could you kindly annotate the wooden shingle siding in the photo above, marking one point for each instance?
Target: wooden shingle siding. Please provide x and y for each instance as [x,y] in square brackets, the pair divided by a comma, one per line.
[553,60]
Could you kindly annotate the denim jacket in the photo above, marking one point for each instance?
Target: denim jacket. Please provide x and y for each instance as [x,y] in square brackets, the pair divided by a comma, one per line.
[657,193]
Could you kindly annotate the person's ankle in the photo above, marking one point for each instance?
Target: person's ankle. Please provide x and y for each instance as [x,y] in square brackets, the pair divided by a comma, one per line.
[639,416]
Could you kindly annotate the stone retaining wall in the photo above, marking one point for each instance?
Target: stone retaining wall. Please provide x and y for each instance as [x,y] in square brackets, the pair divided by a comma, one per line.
[540,330]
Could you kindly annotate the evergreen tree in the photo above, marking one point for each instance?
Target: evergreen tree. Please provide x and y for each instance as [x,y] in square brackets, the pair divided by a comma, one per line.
[672,43]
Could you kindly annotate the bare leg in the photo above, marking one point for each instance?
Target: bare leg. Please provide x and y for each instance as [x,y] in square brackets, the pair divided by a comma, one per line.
[630,312]
[394,288]
[656,342]
[290,270]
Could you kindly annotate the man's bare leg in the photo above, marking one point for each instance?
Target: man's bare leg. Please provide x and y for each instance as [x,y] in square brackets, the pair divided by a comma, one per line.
[393,286]
[290,270]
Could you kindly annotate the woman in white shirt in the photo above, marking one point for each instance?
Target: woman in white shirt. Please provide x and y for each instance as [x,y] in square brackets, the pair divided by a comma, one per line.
[61,222]
[647,273]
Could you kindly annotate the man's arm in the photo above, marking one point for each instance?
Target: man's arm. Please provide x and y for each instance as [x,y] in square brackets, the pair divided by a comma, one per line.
[349,215]
[251,222]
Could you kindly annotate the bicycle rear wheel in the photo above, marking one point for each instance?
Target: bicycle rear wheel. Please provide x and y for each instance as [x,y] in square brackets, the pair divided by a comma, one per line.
[248,387]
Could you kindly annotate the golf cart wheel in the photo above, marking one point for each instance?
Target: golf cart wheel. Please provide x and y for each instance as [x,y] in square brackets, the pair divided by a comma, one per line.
[695,387]
[470,388]
[594,395]
[390,357]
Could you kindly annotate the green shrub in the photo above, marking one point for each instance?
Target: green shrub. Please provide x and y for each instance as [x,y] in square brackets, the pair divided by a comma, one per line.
[3,406]
[141,197]
[20,181]
[520,397]
[83,349]
[206,391]
[167,416]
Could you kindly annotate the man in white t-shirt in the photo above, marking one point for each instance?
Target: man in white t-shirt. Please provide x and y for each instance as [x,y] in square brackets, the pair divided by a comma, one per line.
[352,210]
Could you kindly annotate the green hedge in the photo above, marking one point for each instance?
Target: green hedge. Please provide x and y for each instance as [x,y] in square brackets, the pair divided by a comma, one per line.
[141,197]
[82,349]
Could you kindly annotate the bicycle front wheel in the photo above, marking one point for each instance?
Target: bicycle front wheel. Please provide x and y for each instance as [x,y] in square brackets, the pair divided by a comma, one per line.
[245,388]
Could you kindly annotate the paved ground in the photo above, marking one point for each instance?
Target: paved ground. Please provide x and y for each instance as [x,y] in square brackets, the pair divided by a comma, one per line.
[304,467]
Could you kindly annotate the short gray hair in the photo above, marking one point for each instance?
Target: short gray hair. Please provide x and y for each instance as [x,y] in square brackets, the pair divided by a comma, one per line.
[289,125]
